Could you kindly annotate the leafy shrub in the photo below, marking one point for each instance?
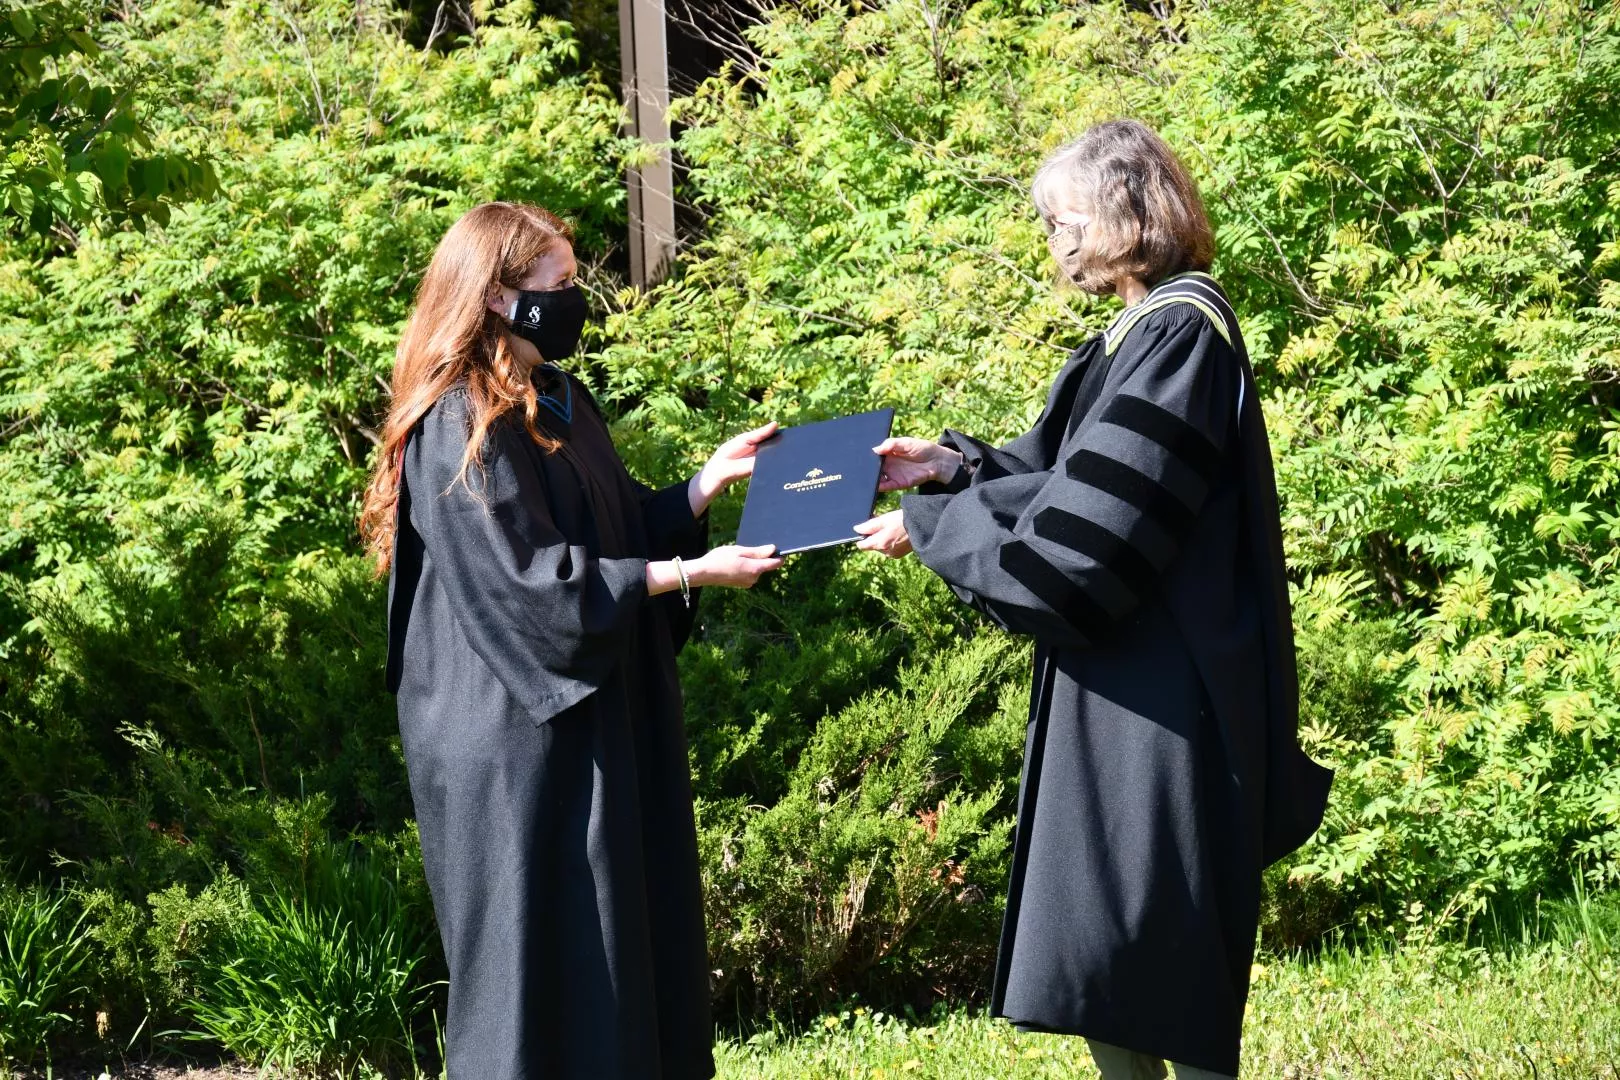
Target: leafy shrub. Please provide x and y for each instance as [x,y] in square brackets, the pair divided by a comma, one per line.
[44,953]
[185,933]
[883,863]
[1417,211]
[190,698]
[76,152]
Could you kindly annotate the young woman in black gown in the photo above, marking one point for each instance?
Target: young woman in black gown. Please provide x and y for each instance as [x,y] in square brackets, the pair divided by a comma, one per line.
[1133,532]
[537,598]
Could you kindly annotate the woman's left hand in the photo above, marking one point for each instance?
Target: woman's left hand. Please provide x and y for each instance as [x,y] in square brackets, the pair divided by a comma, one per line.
[885,534]
[733,460]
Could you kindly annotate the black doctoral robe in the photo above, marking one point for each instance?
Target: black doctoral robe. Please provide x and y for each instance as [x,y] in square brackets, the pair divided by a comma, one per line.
[541,722]
[1134,534]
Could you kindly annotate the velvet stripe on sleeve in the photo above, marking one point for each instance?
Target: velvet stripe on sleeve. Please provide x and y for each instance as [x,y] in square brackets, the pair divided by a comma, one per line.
[1133,534]
[1078,545]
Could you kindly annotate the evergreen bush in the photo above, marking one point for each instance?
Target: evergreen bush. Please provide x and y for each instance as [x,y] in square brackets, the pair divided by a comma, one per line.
[1418,213]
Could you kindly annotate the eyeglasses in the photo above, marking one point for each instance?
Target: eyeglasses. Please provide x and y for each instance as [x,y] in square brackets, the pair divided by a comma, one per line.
[1054,232]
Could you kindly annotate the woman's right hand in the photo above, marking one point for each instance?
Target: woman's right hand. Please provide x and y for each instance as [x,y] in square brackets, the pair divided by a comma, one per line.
[909,462]
[734,566]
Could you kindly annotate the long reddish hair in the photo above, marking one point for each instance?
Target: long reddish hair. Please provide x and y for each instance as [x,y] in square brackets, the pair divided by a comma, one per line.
[452,337]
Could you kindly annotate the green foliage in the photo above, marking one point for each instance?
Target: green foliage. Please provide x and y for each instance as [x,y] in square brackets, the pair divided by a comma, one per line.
[317,985]
[44,953]
[185,933]
[319,959]
[75,148]
[883,858]
[1541,1006]
[1418,214]
[1441,417]
[183,697]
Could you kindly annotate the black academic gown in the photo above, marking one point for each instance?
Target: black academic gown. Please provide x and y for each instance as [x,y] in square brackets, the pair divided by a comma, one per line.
[541,722]
[1134,534]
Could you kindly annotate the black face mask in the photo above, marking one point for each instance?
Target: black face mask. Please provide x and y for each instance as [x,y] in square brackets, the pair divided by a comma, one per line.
[550,320]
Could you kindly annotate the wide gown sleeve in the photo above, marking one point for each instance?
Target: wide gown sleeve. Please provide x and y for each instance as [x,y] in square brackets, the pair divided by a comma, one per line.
[671,528]
[672,531]
[544,613]
[981,461]
[1067,552]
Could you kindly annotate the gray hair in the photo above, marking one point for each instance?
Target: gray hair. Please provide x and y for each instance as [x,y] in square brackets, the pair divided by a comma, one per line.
[1149,221]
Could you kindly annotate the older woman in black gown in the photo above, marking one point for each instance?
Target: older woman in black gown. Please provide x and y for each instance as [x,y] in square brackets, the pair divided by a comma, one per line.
[1133,532]
[538,597]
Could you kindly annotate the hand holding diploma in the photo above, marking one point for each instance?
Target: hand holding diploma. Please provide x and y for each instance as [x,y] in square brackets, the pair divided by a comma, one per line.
[732,461]
[906,463]
[909,462]
[885,534]
[735,566]
[738,567]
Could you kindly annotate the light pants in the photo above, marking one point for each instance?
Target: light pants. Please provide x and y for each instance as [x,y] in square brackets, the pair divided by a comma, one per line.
[1117,1064]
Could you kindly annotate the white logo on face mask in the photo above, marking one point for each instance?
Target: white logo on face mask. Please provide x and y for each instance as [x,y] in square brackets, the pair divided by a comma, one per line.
[534,313]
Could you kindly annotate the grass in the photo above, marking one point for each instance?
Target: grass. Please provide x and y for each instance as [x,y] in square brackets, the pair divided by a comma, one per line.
[326,986]
[44,954]
[1539,1000]
[1543,1004]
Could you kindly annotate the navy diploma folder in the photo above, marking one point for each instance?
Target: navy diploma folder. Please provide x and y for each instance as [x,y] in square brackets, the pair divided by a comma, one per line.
[814,483]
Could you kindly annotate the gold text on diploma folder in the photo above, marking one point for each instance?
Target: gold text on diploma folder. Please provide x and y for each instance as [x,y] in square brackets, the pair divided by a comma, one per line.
[813,479]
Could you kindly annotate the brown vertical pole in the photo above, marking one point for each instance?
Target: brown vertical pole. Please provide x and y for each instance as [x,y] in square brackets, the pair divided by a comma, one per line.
[644,60]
